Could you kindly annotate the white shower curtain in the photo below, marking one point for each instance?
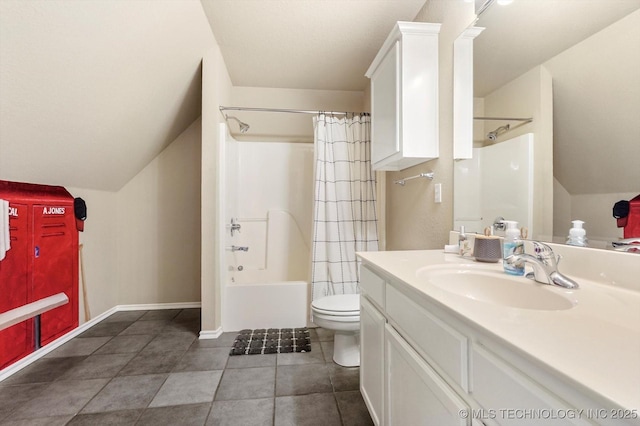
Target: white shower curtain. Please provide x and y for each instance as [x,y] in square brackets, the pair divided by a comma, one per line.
[344,211]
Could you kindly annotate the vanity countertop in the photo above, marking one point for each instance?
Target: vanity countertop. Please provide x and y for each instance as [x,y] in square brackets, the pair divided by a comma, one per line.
[595,344]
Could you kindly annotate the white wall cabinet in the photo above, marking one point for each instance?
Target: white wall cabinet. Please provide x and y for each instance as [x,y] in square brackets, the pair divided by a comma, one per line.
[404,97]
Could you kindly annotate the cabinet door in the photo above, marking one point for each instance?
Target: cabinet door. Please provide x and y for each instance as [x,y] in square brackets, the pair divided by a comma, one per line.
[385,140]
[372,359]
[509,395]
[414,393]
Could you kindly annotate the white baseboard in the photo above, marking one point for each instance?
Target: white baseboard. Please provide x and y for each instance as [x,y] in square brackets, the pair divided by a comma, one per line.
[34,356]
[210,334]
[157,306]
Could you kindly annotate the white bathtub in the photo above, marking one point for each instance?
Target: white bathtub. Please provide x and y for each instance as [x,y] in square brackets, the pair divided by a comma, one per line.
[265,305]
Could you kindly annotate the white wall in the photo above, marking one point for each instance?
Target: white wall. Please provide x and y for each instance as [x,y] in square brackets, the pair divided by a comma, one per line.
[281,127]
[158,227]
[597,105]
[216,91]
[99,258]
[561,211]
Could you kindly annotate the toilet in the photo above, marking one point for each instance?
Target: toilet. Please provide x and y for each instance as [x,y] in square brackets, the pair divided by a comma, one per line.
[341,313]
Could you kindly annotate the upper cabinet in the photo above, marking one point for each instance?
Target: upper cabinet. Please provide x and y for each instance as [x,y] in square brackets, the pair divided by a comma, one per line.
[404,97]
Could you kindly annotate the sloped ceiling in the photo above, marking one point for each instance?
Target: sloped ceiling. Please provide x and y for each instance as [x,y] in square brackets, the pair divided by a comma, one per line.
[92,91]
[592,50]
[304,44]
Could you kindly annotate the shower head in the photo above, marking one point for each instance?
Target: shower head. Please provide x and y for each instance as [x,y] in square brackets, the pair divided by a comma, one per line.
[243,126]
[492,136]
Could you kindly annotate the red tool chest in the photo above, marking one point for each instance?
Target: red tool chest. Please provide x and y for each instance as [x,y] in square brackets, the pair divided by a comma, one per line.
[632,225]
[42,261]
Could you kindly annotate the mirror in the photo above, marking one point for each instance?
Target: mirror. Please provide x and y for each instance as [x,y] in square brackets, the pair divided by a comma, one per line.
[574,67]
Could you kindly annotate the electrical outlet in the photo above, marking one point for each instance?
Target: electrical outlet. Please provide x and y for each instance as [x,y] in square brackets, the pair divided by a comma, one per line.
[438,193]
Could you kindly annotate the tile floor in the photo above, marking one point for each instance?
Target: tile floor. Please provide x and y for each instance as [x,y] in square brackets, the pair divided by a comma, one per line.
[149,368]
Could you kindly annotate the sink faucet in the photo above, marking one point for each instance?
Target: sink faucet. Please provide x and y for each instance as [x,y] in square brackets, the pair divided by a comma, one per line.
[545,266]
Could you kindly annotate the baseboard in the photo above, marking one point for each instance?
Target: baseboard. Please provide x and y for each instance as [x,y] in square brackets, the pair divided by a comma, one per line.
[157,306]
[210,334]
[32,357]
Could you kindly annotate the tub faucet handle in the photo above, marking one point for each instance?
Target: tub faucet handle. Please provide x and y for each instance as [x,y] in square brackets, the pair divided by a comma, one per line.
[234,226]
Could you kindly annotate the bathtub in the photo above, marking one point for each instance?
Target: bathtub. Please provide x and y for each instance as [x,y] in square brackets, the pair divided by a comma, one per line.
[265,305]
[266,286]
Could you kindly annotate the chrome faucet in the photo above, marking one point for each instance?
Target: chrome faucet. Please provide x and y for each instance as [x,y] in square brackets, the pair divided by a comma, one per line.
[545,266]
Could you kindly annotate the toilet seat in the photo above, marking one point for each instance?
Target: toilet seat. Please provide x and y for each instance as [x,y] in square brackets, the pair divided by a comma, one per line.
[340,305]
[336,318]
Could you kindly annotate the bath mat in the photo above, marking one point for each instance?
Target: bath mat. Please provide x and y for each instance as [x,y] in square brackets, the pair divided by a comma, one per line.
[271,341]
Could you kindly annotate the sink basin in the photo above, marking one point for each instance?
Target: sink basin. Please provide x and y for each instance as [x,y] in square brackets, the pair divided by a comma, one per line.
[496,287]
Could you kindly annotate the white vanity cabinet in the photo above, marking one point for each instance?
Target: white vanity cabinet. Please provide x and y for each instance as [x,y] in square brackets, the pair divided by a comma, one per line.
[404,97]
[398,386]
[423,365]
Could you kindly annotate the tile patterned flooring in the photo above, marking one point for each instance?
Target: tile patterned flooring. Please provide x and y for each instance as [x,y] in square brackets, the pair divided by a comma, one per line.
[149,368]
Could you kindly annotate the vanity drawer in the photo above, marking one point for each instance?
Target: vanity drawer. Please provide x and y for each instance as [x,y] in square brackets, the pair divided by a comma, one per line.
[442,345]
[508,395]
[372,285]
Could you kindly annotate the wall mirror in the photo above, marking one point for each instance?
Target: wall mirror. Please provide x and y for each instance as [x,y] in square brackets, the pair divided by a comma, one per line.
[585,60]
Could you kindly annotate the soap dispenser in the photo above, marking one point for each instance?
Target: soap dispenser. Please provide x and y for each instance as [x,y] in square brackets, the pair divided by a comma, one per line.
[512,245]
[577,234]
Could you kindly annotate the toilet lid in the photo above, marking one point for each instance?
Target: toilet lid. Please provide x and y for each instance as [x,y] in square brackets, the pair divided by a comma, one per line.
[340,304]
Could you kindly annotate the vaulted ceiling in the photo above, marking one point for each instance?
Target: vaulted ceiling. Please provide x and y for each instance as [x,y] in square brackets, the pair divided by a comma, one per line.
[92,91]
[592,51]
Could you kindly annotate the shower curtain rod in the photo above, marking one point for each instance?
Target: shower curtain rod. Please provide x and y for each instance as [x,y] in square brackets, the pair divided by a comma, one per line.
[292,111]
[528,120]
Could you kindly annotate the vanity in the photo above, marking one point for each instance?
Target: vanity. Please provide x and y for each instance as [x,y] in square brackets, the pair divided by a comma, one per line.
[450,341]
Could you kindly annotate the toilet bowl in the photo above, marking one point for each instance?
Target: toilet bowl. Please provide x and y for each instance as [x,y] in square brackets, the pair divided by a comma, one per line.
[341,313]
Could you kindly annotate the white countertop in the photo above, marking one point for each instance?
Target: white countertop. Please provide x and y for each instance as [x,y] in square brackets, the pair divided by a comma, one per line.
[595,344]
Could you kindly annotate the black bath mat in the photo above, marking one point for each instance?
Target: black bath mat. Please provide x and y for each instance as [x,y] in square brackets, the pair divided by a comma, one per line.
[271,341]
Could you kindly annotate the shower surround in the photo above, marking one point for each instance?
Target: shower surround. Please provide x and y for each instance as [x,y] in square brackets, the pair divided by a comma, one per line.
[268,191]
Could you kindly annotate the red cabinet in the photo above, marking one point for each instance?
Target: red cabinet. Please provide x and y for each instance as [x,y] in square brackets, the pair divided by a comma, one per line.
[42,261]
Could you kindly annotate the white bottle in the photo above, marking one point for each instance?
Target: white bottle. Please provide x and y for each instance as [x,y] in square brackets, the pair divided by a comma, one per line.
[512,245]
[577,234]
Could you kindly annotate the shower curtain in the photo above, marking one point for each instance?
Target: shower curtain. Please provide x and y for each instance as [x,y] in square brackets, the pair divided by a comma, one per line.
[344,211]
